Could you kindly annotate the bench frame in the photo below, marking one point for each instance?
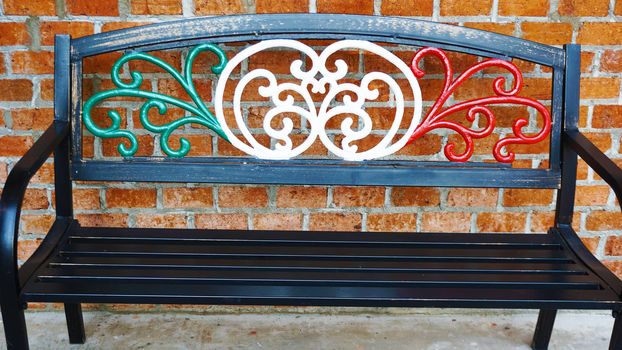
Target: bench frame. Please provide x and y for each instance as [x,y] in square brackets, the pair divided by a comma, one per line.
[62,139]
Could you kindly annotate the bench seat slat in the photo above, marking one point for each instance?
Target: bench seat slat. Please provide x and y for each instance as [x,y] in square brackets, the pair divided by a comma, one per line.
[131,292]
[532,239]
[310,265]
[315,268]
[64,271]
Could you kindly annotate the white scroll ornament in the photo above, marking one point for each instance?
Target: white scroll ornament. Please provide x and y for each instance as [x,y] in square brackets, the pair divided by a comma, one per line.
[284,148]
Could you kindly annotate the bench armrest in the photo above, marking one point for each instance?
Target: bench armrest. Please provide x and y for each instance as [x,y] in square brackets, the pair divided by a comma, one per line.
[13,196]
[596,160]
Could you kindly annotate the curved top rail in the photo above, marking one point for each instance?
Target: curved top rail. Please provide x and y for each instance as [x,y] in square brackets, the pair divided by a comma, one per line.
[315,26]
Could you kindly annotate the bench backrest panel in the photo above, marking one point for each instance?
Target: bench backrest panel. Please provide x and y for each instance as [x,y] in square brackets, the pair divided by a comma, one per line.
[200,33]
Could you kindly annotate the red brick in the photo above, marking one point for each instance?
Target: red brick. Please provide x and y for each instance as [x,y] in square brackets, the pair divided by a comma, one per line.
[103,64]
[524,7]
[13,34]
[242,197]
[613,246]
[542,221]
[161,220]
[32,119]
[602,140]
[12,146]
[156,7]
[548,33]
[218,7]
[538,88]
[516,197]
[221,221]
[193,197]
[587,62]
[465,7]
[273,61]
[592,195]
[145,146]
[36,199]
[30,7]
[363,7]
[501,222]
[26,247]
[15,90]
[36,223]
[607,116]
[600,87]
[102,220]
[611,61]
[277,221]
[592,8]
[335,222]
[75,29]
[200,145]
[591,243]
[130,198]
[427,144]
[407,8]
[600,33]
[618,8]
[616,265]
[45,175]
[415,196]
[394,222]
[3,172]
[47,89]
[445,222]
[603,221]
[86,198]
[472,197]
[172,57]
[300,197]
[355,196]
[281,6]
[93,8]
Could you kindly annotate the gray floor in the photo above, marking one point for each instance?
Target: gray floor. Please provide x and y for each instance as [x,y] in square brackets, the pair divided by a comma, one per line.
[460,330]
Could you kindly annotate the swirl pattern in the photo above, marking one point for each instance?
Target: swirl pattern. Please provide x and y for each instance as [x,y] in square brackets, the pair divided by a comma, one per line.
[318,79]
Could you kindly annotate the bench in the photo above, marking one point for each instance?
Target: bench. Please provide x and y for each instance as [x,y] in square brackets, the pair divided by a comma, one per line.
[75,264]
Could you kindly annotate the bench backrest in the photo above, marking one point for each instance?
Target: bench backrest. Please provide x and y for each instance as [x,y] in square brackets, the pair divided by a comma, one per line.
[284,159]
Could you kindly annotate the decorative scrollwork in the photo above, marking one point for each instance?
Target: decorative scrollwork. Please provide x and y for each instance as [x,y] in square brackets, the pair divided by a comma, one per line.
[435,117]
[296,97]
[199,113]
[318,79]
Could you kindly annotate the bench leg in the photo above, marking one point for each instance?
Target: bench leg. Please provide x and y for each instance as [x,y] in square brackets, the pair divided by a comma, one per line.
[14,326]
[544,327]
[75,323]
[616,335]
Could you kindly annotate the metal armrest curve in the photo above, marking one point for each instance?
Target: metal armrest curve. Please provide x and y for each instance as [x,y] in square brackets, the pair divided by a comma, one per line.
[13,196]
[596,159]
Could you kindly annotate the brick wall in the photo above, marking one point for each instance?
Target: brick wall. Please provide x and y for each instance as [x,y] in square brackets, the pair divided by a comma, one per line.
[27,29]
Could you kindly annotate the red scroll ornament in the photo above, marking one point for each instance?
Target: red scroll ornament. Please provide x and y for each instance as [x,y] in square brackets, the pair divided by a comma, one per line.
[434,118]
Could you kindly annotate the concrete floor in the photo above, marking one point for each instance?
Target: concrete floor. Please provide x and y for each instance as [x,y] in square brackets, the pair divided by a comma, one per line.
[436,330]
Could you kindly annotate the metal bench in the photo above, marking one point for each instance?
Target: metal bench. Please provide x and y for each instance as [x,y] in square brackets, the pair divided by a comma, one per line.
[75,264]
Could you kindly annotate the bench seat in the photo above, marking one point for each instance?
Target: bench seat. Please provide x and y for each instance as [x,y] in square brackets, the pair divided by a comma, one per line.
[486,270]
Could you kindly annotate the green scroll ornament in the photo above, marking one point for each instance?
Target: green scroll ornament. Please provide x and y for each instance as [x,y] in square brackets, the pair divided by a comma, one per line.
[199,112]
